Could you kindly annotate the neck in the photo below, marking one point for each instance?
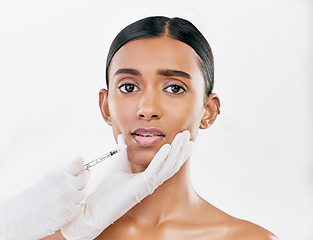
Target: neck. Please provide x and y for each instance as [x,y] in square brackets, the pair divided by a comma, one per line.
[169,201]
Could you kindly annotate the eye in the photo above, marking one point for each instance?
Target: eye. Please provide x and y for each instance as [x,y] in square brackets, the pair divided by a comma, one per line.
[175,89]
[128,88]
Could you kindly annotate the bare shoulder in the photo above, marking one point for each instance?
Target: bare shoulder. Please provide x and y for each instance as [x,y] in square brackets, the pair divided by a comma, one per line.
[220,225]
[242,229]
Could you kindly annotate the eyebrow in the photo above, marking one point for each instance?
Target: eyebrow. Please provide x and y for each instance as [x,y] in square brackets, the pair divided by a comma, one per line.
[127,71]
[162,72]
[172,73]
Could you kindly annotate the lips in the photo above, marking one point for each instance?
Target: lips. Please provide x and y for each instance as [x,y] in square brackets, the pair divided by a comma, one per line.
[147,136]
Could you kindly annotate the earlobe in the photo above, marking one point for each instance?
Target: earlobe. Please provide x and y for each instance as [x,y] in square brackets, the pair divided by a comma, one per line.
[104,107]
[212,109]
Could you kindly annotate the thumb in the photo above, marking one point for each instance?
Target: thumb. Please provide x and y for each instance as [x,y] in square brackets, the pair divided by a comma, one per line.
[122,164]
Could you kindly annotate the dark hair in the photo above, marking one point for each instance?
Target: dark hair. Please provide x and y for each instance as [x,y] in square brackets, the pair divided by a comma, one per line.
[177,28]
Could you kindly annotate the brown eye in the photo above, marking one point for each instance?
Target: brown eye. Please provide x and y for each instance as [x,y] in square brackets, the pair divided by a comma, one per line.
[175,89]
[128,88]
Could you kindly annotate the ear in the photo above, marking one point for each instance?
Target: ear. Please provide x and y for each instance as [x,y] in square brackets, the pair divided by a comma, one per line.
[212,109]
[104,107]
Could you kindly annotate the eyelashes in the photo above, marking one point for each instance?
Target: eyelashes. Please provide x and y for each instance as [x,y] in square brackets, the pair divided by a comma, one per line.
[173,88]
[128,88]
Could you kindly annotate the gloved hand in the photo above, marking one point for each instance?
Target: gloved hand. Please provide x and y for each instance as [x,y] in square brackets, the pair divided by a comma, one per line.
[46,206]
[121,189]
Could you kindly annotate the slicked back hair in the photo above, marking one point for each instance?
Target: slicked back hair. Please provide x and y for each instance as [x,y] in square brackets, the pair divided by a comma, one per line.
[176,28]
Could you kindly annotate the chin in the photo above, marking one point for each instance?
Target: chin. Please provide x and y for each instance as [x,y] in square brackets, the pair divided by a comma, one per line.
[140,159]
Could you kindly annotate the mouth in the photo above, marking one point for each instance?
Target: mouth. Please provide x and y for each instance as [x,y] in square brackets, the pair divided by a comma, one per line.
[147,136]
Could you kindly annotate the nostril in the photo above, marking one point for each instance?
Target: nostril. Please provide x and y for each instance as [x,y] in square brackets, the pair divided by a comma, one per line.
[143,116]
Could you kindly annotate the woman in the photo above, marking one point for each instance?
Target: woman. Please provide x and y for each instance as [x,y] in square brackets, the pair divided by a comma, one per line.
[160,77]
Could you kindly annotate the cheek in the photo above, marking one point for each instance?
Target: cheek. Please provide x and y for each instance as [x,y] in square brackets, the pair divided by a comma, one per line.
[186,116]
[120,115]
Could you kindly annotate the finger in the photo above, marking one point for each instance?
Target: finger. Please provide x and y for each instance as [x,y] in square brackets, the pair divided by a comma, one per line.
[158,160]
[189,146]
[173,149]
[80,196]
[66,212]
[183,153]
[176,147]
[174,157]
[120,140]
[77,196]
[75,166]
[146,182]
[65,185]
[177,138]
[122,162]
[80,181]
[73,207]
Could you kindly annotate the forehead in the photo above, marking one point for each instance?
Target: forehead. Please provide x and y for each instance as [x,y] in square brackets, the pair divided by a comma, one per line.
[156,53]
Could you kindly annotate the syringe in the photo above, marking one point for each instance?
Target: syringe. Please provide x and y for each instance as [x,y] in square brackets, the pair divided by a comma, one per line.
[104,157]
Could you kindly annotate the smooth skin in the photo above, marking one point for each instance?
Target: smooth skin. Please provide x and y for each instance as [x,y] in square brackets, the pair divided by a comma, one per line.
[157,83]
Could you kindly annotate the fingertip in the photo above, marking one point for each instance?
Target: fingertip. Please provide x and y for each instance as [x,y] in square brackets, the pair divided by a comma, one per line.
[186,141]
[187,134]
[165,147]
[177,137]
[120,140]
[80,181]
[163,151]
[158,160]
[86,174]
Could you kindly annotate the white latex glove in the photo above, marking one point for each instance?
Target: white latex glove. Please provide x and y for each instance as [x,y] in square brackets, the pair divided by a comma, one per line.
[46,206]
[121,189]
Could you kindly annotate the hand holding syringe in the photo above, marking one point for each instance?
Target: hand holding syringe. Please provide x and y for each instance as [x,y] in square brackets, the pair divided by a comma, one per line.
[121,189]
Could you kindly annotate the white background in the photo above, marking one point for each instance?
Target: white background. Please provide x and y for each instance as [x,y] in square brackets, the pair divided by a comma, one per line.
[254,163]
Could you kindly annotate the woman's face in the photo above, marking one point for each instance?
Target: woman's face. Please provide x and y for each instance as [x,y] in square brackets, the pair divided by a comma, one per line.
[156,90]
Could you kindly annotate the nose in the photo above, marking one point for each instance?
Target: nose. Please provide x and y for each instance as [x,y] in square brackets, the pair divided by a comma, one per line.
[149,107]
